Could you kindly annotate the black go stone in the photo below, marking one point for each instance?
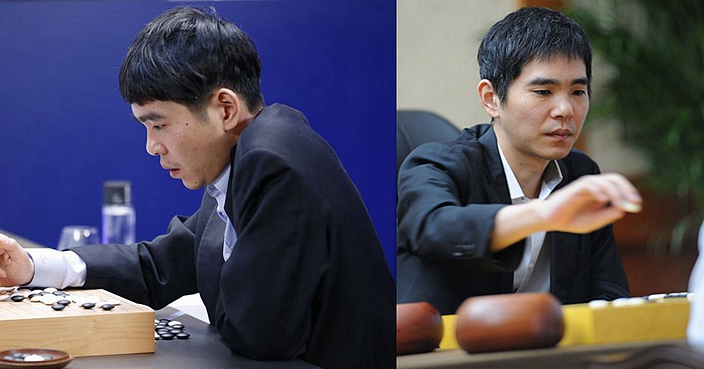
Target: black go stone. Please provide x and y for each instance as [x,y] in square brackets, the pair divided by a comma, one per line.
[88,305]
[167,336]
[169,332]
[64,302]
[17,298]
[58,306]
[183,336]
[107,306]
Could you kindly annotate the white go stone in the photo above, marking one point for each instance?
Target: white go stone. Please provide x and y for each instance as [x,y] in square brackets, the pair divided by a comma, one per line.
[50,289]
[659,297]
[635,301]
[34,357]
[49,299]
[594,304]
[623,301]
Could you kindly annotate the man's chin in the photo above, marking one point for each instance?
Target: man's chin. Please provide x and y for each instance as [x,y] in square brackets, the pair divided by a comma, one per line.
[192,185]
[557,153]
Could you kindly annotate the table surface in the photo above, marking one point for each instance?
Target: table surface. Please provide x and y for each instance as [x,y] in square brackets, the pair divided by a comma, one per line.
[203,349]
[556,357]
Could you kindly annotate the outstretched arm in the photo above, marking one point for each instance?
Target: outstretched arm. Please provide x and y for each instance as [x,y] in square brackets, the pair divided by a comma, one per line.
[587,204]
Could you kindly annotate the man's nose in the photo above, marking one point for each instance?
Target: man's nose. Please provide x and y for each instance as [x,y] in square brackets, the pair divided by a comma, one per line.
[154,147]
[563,108]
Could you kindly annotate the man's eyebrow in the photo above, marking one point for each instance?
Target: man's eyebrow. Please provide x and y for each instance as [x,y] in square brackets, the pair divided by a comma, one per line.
[149,116]
[539,81]
[580,81]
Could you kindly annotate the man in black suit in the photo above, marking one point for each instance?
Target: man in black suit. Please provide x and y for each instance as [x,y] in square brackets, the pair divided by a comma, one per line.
[282,250]
[511,206]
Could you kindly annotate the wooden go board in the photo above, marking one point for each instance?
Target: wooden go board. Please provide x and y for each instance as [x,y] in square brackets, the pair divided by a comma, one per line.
[661,319]
[126,329]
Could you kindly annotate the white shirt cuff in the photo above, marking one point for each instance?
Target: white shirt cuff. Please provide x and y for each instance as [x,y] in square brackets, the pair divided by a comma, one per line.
[58,269]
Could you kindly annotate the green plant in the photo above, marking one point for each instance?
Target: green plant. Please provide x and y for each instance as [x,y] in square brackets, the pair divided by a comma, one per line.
[657,93]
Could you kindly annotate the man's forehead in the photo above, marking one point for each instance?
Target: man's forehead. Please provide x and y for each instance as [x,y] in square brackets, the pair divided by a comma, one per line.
[153,110]
[546,69]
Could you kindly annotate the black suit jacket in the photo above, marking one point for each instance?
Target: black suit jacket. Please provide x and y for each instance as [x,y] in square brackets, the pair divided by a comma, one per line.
[449,194]
[307,277]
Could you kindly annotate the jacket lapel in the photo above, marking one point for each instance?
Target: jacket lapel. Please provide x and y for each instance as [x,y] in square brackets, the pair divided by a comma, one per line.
[209,257]
[496,188]
[228,196]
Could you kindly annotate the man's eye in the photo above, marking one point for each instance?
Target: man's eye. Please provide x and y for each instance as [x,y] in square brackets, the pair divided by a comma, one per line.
[580,92]
[158,127]
[542,92]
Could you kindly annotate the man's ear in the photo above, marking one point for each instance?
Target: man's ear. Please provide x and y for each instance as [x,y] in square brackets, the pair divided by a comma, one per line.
[230,108]
[489,98]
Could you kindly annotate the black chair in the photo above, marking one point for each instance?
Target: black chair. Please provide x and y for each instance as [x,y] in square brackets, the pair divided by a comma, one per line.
[416,127]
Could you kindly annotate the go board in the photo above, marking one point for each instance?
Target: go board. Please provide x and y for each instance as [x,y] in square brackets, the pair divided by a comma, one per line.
[127,328]
[649,318]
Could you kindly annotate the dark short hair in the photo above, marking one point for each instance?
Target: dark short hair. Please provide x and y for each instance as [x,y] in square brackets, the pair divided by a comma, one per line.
[185,53]
[525,35]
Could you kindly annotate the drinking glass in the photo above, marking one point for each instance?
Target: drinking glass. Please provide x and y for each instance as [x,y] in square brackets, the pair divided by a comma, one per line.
[77,235]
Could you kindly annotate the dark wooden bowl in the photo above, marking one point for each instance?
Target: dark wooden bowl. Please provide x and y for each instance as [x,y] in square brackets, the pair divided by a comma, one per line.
[53,359]
[418,328]
[509,322]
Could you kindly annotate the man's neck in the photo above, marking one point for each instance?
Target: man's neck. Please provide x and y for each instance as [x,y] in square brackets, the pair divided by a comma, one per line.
[528,171]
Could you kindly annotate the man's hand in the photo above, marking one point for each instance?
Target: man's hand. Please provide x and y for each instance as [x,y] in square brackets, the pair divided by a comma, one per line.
[16,268]
[585,205]
[590,203]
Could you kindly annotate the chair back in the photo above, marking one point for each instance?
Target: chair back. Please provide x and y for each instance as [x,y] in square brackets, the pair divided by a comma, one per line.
[416,127]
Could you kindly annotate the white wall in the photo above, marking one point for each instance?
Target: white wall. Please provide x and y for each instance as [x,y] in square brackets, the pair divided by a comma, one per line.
[437,42]
[437,55]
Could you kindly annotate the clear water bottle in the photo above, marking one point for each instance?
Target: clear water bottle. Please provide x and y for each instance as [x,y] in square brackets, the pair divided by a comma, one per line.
[118,213]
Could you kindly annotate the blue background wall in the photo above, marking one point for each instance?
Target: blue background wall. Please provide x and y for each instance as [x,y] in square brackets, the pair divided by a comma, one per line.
[64,129]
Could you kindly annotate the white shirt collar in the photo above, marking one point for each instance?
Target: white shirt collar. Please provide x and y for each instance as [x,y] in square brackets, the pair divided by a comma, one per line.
[218,189]
[551,178]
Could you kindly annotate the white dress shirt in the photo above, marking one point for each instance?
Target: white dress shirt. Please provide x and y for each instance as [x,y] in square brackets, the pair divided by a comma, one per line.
[533,273]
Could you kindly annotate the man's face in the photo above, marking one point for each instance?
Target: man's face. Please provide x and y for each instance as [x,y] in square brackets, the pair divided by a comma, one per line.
[191,147]
[543,112]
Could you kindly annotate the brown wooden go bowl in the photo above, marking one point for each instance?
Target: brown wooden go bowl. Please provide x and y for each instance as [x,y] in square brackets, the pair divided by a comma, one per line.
[418,328]
[509,322]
